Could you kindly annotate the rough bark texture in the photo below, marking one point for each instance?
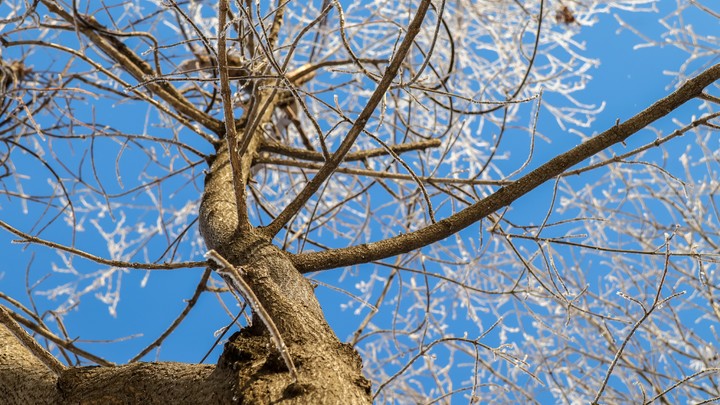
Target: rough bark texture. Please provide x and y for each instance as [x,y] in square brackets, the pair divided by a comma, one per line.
[147,383]
[24,379]
[329,372]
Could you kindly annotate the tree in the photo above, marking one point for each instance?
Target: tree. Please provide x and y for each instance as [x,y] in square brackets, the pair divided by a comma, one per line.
[281,141]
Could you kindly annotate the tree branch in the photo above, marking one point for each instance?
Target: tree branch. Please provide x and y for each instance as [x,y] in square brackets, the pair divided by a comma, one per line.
[380,174]
[282,149]
[201,287]
[336,158]
[43,355]
[68,345]
[230,131]
[135,66]
[404,243]
[233,279]
[97,259]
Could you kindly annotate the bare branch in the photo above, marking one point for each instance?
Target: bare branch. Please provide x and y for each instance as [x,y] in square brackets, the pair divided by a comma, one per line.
[231,137]
[135,66]
[333,258]
[235,282]
[26,238]
[282,149]
[68,345]
[336,158]
[201,287]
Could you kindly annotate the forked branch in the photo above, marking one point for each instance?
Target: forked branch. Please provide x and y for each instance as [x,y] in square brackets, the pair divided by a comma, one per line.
[504,196]
[134,65]
[336,158]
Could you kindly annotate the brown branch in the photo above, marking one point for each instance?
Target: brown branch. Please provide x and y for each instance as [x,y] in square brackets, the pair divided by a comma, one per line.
[365,253]
[66,344]
[233,277]
[380,175]
[132,89]
[276,24]
[707,257]
[710,98]
[135,66]
[230,131]
[282,149]
[336,158]
[27,238]
[299,75]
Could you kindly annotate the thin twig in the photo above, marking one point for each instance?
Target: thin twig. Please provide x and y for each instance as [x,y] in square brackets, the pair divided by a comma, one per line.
[190,304]
[26,238]
[657,302]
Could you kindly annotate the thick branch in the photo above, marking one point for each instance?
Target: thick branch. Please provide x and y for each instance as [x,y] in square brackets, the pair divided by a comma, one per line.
[66,344]
[336,158]
[230,131]
[506,195]
[33,346]
[148,383]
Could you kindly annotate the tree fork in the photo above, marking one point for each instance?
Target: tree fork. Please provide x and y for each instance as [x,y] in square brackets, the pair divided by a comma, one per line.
[329,371]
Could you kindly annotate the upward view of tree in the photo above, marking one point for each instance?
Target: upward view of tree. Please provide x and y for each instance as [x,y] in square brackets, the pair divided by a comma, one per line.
[431,170]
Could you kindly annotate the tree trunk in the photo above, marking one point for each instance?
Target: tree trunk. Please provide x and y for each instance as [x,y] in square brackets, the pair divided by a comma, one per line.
[250,370]
[329,372]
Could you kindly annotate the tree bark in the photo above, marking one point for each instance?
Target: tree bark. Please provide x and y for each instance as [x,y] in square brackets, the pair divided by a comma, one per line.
[250,370]
[24,379]
[329,372]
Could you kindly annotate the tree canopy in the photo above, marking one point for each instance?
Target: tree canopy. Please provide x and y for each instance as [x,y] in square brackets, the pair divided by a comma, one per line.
[173,173]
